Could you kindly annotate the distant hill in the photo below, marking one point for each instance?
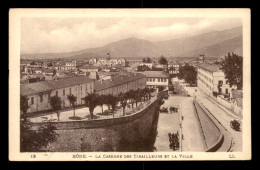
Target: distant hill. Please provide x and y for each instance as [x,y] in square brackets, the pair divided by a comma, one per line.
[219,49]
[212,44]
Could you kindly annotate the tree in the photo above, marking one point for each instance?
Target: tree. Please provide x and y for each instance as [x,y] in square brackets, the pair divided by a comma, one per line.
[34,141]
[72,99]
[131,96]
[111,100]
[91,101]
[149,91]
[188,73]
[137,96]
[123,101]
[232,66]
[101,101]
[147,60]
[160,88]
[162,60]
[24,106]
[55,102]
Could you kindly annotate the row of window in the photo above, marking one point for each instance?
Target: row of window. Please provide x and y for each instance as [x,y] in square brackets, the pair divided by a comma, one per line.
[206,77]
[206,84]
[159,79]
[57,93]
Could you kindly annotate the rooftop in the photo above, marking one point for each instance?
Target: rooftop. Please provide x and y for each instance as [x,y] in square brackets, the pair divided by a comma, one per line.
[160,74]
[43,86]
[116,80]
[209,67]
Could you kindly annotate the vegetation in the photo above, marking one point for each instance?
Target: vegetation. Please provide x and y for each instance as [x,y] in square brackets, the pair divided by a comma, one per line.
[55,103]
[232,66]
[101,101]
[72,99]
[36,141]
[123,101]
[146,68]
[188,73]
[24,106]
[161,88]
[91,101]
[147,60]
[162,60]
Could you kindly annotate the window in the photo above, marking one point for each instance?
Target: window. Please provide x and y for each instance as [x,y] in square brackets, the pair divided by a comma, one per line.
[153,79]
[32,100]
[226,91]
[220,82]
[76,88]
[159,79]
[227,82]
[164,80]
[56,93]
[64,92]
[41,98]
[80,88]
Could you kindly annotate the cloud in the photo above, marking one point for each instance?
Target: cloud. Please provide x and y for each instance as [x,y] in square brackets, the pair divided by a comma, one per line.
[43,35]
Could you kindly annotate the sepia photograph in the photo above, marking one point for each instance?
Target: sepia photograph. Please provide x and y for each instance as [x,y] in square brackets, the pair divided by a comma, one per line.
[129,84]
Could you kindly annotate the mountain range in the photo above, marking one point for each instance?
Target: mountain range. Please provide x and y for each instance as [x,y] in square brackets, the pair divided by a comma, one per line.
[211,44]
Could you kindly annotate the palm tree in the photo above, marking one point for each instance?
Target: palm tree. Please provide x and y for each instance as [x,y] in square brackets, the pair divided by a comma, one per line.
[72,99]
[91,101]
[55,102]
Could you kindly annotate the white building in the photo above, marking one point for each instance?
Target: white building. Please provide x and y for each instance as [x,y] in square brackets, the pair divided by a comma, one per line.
[156,78]
[39,93]
[211,79]
[173,68]
[150,65]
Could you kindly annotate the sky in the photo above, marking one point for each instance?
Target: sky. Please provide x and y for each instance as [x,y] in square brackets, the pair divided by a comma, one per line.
[54,35]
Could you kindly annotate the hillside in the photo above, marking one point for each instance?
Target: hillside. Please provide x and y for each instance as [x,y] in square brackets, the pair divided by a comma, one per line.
[214,43]
[219,49]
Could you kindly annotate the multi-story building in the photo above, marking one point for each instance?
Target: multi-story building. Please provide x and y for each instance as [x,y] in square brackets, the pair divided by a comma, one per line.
[173,68]
[120,83]
[211,79]
[108,61]
[156,79]
[39,93]
[72,65]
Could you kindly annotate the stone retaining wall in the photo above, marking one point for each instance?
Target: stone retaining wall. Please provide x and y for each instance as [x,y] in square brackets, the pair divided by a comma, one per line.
[136,132]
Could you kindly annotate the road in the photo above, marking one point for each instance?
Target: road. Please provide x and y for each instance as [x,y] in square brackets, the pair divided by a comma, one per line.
[170,123]
[223,117]
[193,137]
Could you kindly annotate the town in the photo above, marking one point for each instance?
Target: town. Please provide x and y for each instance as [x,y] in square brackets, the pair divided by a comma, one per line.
[62,90]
